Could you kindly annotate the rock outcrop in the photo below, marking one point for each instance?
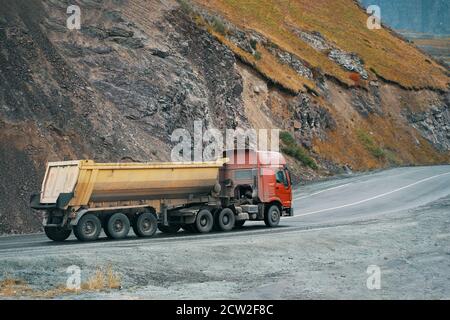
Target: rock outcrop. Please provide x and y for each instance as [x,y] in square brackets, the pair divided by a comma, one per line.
[434,125]
[137,70]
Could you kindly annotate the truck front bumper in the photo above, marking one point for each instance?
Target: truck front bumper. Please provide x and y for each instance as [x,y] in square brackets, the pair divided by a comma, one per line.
[288,212]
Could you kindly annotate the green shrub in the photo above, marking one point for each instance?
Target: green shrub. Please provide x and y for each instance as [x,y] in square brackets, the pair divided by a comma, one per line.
[287,138]
[219,26]
[292,149]
[370,145]
[392,158]
[185,6]
[258,55]
[253,43]
[299,154]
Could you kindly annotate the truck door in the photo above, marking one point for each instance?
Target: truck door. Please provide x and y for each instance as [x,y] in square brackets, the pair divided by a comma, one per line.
[283,187]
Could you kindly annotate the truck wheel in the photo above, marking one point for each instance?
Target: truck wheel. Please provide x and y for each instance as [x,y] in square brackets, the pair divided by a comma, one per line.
[88,228]
[57,234]
[118,226]
[204,221]
[272,216]
[171,229]
[145,225]
[239,224]
[225,220]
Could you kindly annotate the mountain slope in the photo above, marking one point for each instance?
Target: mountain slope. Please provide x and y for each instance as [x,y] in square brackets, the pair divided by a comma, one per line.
[363,78]
[137,70]
[342,23]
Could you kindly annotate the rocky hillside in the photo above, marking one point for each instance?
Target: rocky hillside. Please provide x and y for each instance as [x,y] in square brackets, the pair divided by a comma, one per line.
[350,98]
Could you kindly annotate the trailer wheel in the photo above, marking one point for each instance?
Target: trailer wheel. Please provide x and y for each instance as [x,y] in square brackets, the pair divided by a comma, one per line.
[57,234]
[118,226]
[145,225]
[88,228]
[239,224]
[204,221]
[272,216]
[225,220]
[171,229]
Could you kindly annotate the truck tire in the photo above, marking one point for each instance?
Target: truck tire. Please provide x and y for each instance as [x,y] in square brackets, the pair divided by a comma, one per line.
[272,216]
[145,225]
[171,229]
[57,234]
[225,220]
[239,224]
[88,228]
[118,226]
[204,221]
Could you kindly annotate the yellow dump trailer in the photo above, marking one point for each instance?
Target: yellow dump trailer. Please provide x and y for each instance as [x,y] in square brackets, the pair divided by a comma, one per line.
[101,185]
[72,189]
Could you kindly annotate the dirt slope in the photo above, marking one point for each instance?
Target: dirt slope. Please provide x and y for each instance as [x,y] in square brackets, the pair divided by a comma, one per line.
[116,89]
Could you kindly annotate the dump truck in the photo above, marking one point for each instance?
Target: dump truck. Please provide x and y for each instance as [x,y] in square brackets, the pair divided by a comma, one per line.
[87,197]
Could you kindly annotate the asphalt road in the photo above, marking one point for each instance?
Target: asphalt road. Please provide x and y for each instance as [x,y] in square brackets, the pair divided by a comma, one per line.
[351,203]
[339,201]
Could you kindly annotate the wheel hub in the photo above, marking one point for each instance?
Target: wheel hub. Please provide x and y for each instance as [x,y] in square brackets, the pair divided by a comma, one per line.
[274,215]
[89,228]
[226,219]
[146,225]
[118,225]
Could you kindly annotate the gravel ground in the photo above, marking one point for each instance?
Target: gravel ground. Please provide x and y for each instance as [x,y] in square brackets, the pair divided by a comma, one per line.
[411,248]
[398,220]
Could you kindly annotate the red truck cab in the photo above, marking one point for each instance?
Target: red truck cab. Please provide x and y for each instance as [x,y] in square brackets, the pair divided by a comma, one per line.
[259,182]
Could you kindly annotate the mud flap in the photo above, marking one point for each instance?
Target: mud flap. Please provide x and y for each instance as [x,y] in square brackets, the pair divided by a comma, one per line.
[61,203]
[288,212]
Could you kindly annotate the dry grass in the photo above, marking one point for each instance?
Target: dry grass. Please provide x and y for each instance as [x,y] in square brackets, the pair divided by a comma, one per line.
[102,280]
[10,287]
[341,22]
[389,144]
